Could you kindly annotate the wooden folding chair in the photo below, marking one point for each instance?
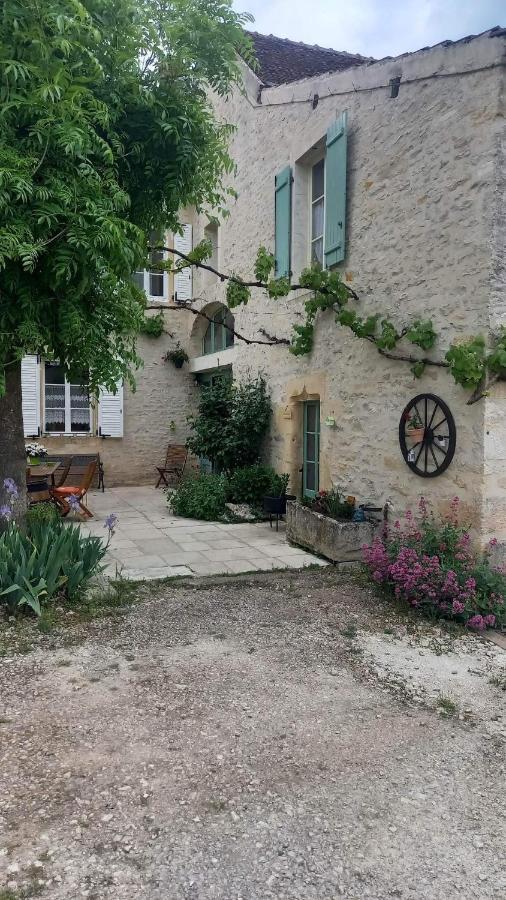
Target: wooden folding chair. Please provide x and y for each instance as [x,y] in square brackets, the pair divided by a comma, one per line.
[61,494]
[175,464]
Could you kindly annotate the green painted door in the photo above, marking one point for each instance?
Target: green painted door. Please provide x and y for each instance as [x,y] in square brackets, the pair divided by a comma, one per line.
[311,445]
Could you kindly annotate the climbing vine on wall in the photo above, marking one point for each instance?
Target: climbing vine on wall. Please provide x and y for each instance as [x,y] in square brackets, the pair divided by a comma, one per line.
[472,365]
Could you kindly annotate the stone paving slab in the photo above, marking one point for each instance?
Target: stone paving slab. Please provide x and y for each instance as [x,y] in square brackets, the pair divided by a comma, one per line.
[151,542]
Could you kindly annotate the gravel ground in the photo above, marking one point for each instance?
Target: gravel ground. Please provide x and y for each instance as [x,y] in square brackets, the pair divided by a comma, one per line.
[236,739]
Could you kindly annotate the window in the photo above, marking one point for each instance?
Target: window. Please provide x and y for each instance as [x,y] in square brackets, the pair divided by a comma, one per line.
[154,283]
[211,235]
[218,336]
[317,211]
[66,405]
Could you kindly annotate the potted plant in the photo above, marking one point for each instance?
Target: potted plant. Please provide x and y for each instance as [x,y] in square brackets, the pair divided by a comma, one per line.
[35,454]
[414,428]
[178,356]
[275,500]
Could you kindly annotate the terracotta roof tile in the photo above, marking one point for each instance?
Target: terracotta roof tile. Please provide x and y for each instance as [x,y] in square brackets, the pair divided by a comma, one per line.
[281,60]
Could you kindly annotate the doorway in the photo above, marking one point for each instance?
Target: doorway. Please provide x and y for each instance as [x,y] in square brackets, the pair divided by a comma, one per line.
[311,448]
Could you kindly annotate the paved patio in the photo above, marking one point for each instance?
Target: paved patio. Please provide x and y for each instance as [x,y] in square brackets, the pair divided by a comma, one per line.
[150,542]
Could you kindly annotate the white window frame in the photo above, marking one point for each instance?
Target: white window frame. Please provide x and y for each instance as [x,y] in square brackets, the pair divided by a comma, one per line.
[312,202]
[153,298]
[68,419]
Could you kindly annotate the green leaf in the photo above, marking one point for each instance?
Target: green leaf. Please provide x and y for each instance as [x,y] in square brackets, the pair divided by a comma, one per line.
[422,334]
[264,264]
[418,369]
[467,362]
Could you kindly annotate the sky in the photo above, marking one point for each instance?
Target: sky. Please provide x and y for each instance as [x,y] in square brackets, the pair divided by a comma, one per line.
[374,27]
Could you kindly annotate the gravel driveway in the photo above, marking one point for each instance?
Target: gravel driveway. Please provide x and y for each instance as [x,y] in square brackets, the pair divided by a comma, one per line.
[227,740]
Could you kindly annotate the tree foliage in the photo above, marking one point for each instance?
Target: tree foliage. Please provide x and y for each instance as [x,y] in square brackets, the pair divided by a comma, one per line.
[106,131]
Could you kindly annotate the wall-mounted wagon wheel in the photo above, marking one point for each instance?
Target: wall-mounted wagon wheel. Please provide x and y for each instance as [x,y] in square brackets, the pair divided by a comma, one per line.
[427,435]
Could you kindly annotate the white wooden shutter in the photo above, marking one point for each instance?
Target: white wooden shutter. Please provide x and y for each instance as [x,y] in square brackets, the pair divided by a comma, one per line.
[110,412]
[183,279]
[30,390]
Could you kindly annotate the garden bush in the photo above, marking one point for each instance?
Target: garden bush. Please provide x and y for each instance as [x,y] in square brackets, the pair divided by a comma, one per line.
[430,565]
[250,484]
[232,420]
[41,512]
[199,497]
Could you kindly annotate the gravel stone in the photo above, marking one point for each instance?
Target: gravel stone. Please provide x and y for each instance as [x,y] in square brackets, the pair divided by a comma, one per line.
[188,768]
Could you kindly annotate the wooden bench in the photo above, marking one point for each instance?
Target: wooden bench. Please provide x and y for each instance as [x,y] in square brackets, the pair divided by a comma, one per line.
[79,463]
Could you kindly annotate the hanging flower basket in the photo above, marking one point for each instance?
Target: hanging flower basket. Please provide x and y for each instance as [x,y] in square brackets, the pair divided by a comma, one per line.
[177,357]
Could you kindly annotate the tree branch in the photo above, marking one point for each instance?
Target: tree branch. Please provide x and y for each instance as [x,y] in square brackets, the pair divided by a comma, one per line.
[41,160]
[224,276]
[273,340]
[482,389]
[402,357]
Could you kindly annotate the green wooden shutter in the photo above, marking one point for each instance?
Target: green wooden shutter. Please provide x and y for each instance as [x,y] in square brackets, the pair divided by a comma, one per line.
[283,221]
[335,192]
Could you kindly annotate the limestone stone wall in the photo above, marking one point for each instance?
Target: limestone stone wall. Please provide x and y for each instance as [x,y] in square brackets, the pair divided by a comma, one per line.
[425,237]
[164,395]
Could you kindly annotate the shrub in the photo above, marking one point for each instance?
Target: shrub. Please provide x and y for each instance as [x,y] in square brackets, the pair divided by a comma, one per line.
[430,565]
[332,504]
[41,512]
[250,484]
[199,497]
[52,558]
[232,420]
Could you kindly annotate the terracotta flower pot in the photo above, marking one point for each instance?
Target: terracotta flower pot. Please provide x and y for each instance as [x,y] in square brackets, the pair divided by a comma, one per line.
[416,434]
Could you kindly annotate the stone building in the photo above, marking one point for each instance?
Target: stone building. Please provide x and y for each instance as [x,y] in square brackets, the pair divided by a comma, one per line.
[393,171]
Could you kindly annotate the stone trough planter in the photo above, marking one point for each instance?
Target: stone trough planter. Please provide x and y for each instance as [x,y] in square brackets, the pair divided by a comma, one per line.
[337,541]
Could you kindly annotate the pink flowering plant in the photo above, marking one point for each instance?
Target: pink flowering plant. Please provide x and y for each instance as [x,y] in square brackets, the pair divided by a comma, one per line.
[430,564]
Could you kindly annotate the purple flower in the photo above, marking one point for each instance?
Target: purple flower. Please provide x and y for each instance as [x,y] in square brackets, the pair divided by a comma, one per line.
[489,620]
[11,487]
[73,502]
[6,513]
[477,622]
[111,522]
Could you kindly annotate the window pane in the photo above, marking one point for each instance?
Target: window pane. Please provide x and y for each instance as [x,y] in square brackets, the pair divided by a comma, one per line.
[155,285]
[54,373]
[79,408]
[219,338]
[54,404]
[317,252]
[156,256]
[318,180]
[208,339]
[211,234]
[311,447]
[310,477]
[317,219]
[229,335]
[311,418]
